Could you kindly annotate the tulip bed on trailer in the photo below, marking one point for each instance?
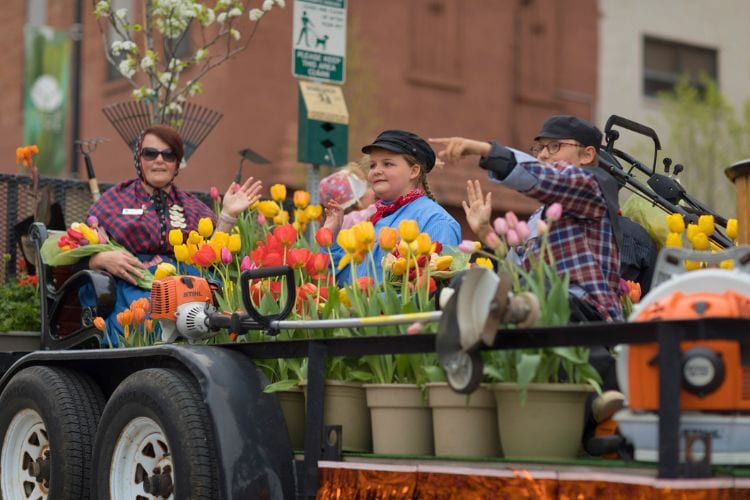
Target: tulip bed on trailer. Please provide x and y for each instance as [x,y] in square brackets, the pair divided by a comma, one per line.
[249,447]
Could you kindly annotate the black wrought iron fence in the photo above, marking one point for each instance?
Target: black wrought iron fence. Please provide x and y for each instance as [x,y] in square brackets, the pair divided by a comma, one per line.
[57,202]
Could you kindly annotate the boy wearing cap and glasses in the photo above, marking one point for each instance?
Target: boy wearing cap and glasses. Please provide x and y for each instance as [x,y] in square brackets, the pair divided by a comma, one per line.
[397,172]
[584,241]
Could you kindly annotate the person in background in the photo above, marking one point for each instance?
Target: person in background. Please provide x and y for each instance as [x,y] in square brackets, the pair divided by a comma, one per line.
[139,213]
[398,168]
[349,188]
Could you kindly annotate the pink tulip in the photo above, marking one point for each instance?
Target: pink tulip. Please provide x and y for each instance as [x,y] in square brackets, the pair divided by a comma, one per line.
[501,226]
[214,193]
[246,263]
[523,231]
[493,240]
[467,246]
[261,219]
[512,238]
[92,221]
[541,227]
[226,255]
[554,212]
[512,219]
[414,328]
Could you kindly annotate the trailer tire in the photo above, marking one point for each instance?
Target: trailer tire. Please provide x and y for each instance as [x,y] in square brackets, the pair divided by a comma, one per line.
[156,438]
[48,420]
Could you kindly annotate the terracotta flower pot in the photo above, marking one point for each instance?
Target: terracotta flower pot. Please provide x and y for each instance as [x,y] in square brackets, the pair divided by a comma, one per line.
[549,425]
[464,425]
[401,419]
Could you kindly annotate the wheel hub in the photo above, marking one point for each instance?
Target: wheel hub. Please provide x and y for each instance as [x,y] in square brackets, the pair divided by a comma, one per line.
[159,484]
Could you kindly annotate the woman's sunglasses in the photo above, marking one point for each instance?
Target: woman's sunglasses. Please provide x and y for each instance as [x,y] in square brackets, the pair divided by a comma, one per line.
[151,154]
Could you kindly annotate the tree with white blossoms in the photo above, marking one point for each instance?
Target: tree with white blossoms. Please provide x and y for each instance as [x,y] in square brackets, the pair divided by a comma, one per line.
[146,53]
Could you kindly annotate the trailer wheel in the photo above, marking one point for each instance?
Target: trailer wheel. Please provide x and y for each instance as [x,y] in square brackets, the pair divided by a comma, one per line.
[155,440]
[48,419]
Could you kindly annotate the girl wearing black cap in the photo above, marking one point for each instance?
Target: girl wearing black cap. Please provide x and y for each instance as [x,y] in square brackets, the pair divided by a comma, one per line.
[398,168]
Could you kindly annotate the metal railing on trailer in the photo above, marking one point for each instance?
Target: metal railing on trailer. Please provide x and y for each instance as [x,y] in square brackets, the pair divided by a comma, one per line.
[668,334]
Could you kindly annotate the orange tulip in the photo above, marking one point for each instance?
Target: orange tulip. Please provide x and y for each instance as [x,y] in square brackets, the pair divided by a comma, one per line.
[99,323]
[388,238]
[301,199]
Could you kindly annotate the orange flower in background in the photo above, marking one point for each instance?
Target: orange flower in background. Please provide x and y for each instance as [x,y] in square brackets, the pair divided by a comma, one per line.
[388,238]
[301,199]
[297,258]
[25,155]
[365,283]
[285,234]
[205,256]
[634,291]
[99,323]
[125,318]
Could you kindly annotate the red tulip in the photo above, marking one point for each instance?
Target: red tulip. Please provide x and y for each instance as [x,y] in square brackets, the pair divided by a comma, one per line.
[205,256]
[297,257]
[286,234]
[324,237]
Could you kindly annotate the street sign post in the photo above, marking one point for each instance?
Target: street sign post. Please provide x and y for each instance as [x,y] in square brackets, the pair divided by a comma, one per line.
[319,40]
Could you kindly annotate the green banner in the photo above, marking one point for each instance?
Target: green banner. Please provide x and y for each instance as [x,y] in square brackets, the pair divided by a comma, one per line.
[45,95]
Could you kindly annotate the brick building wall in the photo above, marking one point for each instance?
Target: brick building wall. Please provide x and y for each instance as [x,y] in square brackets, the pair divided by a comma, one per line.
[479,68]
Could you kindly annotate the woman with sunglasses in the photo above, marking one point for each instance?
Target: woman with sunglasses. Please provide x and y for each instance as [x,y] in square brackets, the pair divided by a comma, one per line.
[139,213]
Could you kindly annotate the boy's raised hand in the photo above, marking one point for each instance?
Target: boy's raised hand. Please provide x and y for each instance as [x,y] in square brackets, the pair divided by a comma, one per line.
[455,148]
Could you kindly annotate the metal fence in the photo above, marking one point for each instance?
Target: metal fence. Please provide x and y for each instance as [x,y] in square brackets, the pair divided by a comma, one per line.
[57,202]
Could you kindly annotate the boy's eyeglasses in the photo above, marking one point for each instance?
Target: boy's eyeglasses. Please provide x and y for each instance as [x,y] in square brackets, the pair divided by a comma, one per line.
[151,154]
[552,147]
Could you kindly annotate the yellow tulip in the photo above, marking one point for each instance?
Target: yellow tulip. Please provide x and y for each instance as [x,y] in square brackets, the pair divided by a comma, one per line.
[676,223]
[181,253]
[692,230]
[268,208]
[301,216]
[399,267]
[175,237]
[441,263]
[344,298]
[299,226]
[388,238]
[278,192]
[364,233]
[692,265]
[194,238]
[347,240]
[205,227]
[700,241]
[344,261]
[727,264]
[484,262]
[408,229]
[424,244]
[732,228]
[91,236]
[301,199]
[674,240]
[282,218]
[235,243]
[313,212]
[163,270]
[220,239]
[706,224]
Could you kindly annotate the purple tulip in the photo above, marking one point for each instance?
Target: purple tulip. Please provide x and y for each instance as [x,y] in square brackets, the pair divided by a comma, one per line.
[246,263]
[467,247]
[512,219]
[523,231]
[512,238]
[92,221]
[226,255]
[554,212]
[501,226]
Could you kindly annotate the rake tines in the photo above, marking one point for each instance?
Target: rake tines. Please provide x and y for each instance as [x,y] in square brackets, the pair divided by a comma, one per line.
[130,118]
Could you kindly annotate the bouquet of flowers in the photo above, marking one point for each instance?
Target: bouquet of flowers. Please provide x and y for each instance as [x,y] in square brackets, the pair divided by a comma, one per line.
[82,240]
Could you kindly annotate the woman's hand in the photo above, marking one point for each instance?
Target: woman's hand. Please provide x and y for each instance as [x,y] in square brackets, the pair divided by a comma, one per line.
[334,217]
[478,209]
[237,198]
[119,264]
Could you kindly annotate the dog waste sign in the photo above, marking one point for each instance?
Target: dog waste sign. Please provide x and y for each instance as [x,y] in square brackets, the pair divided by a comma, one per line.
[319,40]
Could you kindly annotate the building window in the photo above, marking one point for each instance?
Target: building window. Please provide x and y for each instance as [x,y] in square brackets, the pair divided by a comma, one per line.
[435,40]
[665,62]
